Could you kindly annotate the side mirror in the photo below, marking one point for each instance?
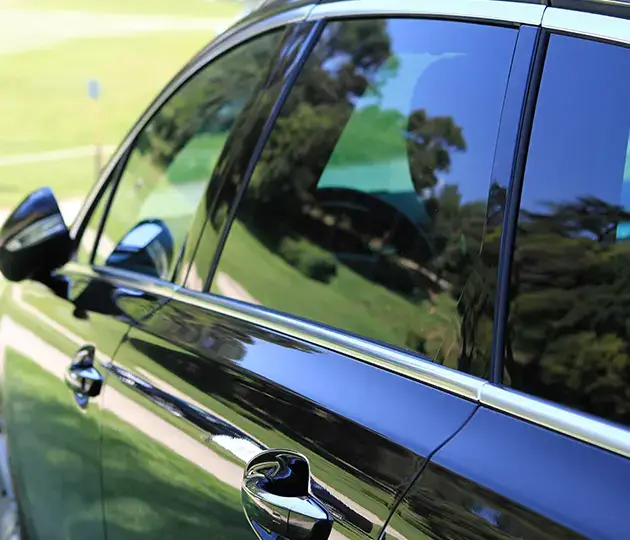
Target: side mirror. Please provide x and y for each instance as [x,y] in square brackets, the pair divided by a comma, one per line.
[34,239]
[146,249]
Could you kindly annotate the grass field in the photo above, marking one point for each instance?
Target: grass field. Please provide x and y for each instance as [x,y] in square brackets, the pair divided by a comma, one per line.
[44,102]
[195,8]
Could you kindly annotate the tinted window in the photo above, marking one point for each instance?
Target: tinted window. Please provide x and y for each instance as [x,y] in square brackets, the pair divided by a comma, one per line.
[568,337]
[366,210]
[173,157]
[90,233]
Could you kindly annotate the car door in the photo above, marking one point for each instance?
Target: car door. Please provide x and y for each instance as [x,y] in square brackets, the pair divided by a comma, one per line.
[64,330]
[327,342]
[546,456]
[190,139]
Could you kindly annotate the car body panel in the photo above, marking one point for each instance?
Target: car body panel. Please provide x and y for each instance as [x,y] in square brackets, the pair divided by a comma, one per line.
[53,441]
[215,391]
[502,477]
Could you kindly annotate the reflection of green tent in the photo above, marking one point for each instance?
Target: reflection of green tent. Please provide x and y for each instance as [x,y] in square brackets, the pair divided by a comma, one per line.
[409,203]
[623,229]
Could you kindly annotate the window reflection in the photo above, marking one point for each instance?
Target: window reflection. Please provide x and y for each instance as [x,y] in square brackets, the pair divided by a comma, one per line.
[173,158]
[366,210]
[568,334]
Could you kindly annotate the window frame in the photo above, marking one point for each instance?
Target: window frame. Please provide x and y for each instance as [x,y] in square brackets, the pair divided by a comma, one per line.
[349,15]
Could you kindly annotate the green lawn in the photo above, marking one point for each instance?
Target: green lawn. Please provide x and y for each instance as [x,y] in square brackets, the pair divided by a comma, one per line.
[68,178]
[194,8]
[43,97]
[43,92]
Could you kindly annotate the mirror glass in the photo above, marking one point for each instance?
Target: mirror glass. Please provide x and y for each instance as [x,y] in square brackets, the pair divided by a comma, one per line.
[147,248]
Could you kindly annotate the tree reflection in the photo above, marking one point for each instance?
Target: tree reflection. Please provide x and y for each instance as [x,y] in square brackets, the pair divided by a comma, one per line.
[568,330]
[316,201]
[209,105]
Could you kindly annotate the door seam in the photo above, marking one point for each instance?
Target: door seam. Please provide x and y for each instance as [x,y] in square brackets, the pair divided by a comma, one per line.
[418,474]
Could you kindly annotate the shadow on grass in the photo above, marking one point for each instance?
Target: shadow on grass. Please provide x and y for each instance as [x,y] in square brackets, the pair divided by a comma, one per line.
[150,492]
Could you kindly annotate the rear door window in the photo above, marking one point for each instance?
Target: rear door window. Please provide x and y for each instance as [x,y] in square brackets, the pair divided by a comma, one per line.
[568,336]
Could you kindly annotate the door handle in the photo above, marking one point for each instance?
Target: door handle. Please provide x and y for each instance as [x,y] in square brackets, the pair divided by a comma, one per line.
[83,378]
[277,499]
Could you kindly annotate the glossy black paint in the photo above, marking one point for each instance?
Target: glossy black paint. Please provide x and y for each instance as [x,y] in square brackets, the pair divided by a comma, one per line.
[192,395]
[51,249]
[274,390]
[52,425]
[501,477]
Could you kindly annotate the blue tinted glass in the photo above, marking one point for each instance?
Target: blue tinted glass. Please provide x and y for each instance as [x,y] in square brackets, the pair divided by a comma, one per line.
[366,210]
[568,335]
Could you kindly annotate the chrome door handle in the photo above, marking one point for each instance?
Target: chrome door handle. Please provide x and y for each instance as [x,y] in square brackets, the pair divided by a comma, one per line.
[83,378]
[277,499]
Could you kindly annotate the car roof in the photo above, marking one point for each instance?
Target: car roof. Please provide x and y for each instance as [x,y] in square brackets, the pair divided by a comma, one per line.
[614,8]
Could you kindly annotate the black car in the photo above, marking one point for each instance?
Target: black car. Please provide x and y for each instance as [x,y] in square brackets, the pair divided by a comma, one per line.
[361,271]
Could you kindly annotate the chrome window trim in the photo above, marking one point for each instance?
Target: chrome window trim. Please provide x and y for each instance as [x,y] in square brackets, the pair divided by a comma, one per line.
[122,278]
[557,418]
[591,25]
[370,352]
[548,415]
[481,10]
[223,43]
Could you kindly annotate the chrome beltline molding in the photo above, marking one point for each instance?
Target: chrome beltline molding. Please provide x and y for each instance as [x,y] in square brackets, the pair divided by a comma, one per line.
[370,352]
[587,25]
[568,422]
[483,10]
[547,415]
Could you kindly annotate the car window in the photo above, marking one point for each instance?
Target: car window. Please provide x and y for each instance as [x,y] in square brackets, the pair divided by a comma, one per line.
[90,232]
[366,210]
[172,159]
[568,335]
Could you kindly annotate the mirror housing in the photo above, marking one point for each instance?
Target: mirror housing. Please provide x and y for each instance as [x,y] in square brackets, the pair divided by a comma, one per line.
[34,240]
